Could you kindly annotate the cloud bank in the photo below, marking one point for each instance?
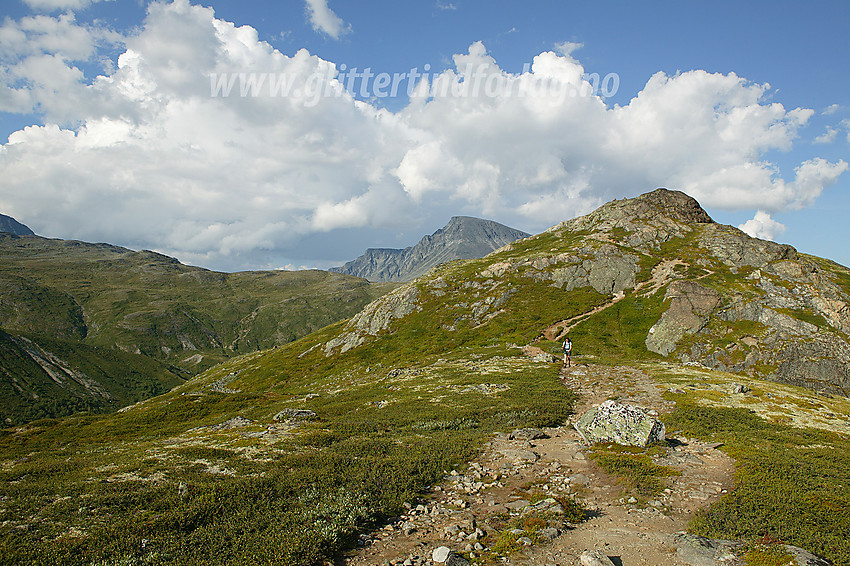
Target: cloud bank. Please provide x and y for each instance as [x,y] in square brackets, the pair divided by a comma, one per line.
[145,156]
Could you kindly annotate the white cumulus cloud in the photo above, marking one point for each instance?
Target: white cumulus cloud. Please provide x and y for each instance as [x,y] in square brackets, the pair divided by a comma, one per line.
[762,226]
[278,164]
[56,5]
[324,19]
[828,136]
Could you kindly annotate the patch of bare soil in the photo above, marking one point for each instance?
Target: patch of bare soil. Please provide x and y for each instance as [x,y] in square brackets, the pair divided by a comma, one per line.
[468,512]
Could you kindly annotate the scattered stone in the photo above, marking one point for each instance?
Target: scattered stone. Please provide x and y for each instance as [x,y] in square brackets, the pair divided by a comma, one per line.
[579,479]
[623,424]
[527,434]
[594,558]
[739,389]
[550,533]
[441,554]
[456,559]
[525,541]
[517,505]
[298,414]
[515,454]
[235,422]
[544,357]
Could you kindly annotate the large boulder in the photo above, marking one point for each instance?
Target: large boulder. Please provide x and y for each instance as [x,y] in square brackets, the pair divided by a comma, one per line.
[621,424]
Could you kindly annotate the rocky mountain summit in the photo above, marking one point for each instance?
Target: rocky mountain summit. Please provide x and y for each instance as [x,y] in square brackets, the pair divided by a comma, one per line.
[11,226]
[462,238]
[712,294]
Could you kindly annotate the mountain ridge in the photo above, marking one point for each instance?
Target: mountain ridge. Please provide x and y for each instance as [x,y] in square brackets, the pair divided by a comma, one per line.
[464,237]
[111,316]
[9,225]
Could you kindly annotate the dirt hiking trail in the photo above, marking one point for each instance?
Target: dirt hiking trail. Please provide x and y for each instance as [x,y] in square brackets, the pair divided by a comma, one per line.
[468,512]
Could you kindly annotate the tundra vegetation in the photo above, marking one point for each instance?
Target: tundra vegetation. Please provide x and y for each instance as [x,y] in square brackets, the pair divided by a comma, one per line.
[284,456]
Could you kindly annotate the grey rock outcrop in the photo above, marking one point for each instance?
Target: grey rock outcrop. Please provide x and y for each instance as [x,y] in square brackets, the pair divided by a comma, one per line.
[294,414]
[646,221]
[690,306]
[620,423]
[375,317]
[695,550]
[462,238]
[11,226]
[701,551]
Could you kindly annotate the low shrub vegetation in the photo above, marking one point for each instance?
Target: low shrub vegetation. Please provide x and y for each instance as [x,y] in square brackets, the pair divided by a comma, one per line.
[792,484]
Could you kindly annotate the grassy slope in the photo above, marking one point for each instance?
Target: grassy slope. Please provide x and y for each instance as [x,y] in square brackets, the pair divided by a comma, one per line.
[28,392]
[380,437]
[792,479]
[391,417]
[84,299]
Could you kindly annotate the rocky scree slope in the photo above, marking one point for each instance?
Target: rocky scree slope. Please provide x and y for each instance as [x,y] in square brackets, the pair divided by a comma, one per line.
[462,238]
[96,327]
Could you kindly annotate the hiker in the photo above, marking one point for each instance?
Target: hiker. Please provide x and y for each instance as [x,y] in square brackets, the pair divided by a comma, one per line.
[568,350]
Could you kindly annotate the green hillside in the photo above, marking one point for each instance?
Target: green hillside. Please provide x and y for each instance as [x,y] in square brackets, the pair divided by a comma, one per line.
[285,456]
[91,305]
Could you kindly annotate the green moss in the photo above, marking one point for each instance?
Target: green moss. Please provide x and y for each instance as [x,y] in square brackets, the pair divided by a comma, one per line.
[807,316]
[763,555]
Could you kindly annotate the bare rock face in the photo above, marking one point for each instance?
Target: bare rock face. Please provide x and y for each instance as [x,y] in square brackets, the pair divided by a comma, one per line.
[376,316]
[462,238]
[643,222]
[737,249]
[691,304]
[11,226]
[619,423]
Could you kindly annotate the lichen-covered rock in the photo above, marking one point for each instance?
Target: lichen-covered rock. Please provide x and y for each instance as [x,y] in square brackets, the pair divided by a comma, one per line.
[736,249]
[695,550]
[620,423]
[296,414]
[647,220]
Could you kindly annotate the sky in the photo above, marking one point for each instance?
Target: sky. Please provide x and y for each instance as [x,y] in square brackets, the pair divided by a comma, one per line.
[290,134]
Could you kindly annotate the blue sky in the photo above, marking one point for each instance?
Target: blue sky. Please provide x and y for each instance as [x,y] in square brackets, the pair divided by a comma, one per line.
[115,134]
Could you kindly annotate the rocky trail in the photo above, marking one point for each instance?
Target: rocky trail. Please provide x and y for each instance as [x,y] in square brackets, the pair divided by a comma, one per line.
[520,475]
[662,274]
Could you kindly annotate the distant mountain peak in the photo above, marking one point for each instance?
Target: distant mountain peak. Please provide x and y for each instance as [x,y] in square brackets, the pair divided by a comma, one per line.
[11,226]
[464,237]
